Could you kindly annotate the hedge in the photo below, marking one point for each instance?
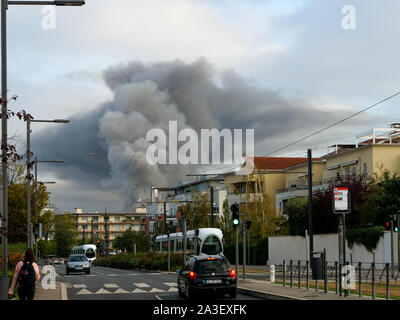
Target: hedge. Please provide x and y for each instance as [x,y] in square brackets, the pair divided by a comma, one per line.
[147,261]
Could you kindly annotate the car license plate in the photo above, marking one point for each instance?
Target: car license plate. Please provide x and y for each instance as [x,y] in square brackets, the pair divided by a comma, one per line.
[78,268]
[213,281]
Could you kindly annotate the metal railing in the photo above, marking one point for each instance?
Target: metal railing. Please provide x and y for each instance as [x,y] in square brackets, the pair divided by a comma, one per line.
[365,279]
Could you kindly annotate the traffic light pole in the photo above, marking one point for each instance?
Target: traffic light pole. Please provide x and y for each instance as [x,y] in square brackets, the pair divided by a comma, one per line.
[237,254]
[398,240]
[244,250]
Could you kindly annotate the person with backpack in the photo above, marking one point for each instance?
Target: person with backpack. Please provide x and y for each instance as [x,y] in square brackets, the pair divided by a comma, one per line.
[26,275]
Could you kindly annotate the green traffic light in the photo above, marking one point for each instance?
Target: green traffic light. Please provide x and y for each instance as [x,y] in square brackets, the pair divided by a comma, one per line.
[235,221]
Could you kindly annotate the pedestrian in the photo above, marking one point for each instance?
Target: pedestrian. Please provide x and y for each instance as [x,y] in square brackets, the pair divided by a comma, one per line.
[26,275]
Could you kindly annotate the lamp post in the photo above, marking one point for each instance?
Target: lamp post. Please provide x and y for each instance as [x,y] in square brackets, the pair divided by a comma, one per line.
[4,134]
[36,194]
[28,170]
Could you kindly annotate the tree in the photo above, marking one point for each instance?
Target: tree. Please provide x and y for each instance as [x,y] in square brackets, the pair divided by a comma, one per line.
[17,213]
[47,220]
[64,234]
[128,240]
[297,211]
[386,199]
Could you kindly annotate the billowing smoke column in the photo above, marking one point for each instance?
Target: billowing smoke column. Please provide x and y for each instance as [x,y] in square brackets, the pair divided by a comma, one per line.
[196,95]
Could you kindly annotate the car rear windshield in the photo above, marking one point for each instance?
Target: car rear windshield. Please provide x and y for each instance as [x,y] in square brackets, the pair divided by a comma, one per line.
[217,265]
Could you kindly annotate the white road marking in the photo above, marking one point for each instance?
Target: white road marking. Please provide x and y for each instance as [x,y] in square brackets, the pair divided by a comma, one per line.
[156,290]
[171,284]
[85,291]
[79,286]
[121,291]
[110,285]
[173,290]
[158,298]
[63,291]
[102,291]
[142,285]
[137,290]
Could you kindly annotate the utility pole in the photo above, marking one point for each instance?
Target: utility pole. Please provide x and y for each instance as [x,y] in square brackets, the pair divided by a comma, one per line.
[212,206]
[165,217]
[398,239]
[106,234]
[244,250]
[248,240]
[36,202]
[28,181]
[310,229]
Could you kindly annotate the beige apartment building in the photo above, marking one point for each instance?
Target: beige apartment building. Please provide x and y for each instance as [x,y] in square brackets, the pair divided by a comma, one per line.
[90,224]
[373,151]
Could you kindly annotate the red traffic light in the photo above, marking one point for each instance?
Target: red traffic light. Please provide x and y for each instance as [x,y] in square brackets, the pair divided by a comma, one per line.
[387,225]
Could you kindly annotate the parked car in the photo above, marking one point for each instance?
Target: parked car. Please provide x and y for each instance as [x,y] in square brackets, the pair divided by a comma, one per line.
[77,263]
[207,274]
[55,261]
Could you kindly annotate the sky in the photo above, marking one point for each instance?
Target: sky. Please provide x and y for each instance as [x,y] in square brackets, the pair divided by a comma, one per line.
[283,68]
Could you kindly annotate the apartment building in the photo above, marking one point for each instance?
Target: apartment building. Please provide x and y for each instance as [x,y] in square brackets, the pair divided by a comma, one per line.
[374,150]
[93,224]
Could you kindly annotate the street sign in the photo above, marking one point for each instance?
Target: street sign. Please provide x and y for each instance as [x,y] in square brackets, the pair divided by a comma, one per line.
[341,200]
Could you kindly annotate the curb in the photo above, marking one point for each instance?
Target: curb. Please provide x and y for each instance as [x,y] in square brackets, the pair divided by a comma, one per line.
[265,295]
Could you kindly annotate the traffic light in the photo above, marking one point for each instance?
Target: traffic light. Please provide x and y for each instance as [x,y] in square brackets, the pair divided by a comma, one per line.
[98,243]
[248,224]
[395,217]
[235,215]
[388,225]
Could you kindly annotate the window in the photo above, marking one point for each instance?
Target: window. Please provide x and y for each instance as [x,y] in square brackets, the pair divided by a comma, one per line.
[95,219]
[347,172]
[95,227]
[84,218]
[354,171]
[117,227]
[217,265]
[117,219]
[365,173]
[211,246]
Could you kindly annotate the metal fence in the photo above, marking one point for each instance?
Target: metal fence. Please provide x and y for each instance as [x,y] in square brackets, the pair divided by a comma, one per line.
[366,278]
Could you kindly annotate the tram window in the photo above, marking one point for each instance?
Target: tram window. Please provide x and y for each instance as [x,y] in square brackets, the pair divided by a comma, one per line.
[211,246]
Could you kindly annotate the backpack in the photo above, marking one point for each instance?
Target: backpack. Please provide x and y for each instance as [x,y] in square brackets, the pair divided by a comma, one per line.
[27,276]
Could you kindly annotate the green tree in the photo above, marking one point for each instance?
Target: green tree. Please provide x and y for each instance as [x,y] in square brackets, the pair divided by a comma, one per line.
[64,234]
[297,211]
[17,211]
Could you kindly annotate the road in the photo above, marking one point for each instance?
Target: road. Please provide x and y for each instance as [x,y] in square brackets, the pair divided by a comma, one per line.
[117,284]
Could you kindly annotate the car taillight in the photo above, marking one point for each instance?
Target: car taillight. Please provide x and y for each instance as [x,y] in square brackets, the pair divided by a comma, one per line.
[232,273]
[192,275]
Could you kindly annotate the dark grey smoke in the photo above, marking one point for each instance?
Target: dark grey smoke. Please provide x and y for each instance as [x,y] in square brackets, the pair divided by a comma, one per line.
[147,96]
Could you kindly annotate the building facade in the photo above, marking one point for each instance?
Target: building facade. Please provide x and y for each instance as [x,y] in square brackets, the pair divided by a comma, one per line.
[95,225]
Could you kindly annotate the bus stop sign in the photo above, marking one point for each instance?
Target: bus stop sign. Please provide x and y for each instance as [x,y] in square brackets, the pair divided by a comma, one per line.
[341,200]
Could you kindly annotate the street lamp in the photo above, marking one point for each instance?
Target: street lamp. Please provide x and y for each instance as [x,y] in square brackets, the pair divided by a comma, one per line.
[36,193]
[4,135]
[28,170]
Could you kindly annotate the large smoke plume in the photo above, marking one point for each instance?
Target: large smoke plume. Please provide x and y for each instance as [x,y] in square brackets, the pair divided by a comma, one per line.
[148,96]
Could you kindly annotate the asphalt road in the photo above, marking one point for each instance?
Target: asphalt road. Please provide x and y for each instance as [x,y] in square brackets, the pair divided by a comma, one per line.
[117,284]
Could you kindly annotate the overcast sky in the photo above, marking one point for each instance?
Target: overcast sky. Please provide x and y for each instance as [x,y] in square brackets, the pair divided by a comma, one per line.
[284,68]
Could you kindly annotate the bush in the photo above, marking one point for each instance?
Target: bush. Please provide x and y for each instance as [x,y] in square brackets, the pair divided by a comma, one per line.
[147,261]
[368,237]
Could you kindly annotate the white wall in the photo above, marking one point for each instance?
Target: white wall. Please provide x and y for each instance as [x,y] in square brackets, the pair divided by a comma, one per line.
[295,248]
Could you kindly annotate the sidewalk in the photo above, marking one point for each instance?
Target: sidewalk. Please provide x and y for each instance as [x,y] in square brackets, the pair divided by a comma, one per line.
[273,291]
[49,294]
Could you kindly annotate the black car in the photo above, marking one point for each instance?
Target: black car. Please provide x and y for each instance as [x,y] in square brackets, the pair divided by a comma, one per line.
[206,274]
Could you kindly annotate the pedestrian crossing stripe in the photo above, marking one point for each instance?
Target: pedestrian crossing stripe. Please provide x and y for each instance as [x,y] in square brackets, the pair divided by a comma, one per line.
[78,286]
[142,285]
[110,285]
[84,291]
[156,290]
[171,284]
[121,291]
[172,289]
[137,290]
[102,291]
